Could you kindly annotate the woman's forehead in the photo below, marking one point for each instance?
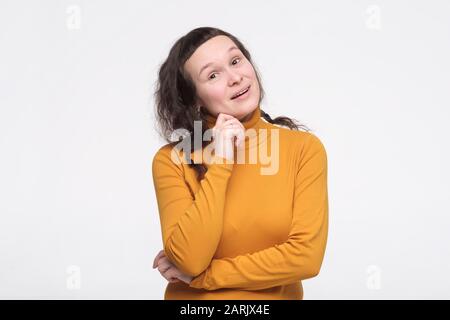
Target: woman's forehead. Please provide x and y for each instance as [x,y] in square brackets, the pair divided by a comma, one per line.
[210,52]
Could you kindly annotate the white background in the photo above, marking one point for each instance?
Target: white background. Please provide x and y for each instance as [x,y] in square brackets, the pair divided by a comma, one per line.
[78,211]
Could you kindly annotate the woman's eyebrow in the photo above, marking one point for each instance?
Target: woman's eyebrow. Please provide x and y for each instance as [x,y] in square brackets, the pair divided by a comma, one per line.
[210,63]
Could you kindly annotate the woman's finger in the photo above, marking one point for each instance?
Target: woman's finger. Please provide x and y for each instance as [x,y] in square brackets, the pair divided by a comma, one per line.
[170,274]
[164,264]
[222,117]
[158,256]
[229,124]
[230,121]
[185,278]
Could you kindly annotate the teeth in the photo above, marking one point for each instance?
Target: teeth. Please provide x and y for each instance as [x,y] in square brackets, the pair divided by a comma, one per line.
[239,93]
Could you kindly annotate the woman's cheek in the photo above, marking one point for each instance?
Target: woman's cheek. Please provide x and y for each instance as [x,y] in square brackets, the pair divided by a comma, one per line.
[217,94]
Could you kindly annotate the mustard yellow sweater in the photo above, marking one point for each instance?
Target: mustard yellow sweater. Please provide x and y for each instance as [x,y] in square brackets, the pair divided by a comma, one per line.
[249,230]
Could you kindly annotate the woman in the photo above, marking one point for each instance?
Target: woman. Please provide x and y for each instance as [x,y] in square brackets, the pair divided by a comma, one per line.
[233,229]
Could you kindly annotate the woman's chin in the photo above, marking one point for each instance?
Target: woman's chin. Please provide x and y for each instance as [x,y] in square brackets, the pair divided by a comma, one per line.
[243,114]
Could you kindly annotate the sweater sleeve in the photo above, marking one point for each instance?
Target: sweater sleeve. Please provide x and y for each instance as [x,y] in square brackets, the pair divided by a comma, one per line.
[301,255]
[191,225]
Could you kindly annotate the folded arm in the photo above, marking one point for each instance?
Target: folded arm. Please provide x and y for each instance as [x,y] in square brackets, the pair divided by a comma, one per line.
[300,257]
[191,225]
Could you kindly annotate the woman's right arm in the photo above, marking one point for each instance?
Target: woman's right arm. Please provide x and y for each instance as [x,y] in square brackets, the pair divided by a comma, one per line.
[191,225]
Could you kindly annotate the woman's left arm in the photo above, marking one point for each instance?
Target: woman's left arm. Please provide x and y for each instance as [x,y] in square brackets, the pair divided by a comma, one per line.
[301,256]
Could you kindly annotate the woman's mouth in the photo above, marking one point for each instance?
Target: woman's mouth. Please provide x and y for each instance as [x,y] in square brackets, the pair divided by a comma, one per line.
[242,94]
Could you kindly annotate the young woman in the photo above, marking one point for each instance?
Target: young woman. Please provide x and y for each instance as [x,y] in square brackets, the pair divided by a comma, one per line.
[233,229]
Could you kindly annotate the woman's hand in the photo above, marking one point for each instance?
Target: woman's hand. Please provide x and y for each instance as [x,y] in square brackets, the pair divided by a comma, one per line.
[225,130]
[168,270]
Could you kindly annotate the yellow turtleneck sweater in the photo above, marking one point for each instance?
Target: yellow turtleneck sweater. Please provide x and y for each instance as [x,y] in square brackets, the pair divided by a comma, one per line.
[249,230]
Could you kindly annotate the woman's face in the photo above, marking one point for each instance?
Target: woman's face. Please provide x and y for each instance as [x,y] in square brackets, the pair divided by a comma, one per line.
[220,70]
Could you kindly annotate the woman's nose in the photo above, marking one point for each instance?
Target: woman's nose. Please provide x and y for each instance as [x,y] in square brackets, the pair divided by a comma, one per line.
[234,77]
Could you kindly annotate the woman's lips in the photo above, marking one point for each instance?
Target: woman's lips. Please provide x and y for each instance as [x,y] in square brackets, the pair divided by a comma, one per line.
[242,96]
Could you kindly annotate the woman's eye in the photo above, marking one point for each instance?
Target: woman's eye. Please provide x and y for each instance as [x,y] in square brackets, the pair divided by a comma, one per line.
[237,59]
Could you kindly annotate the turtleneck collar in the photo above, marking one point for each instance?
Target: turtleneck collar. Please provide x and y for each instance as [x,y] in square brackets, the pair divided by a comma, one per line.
[253,121]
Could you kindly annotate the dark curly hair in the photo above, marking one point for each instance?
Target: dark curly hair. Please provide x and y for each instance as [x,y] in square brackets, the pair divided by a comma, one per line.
[175,92]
